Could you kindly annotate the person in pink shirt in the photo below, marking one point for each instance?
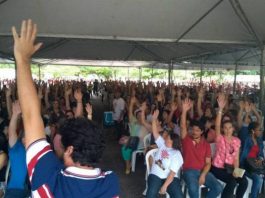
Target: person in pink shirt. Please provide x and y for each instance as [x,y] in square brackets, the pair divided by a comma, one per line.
[226,157]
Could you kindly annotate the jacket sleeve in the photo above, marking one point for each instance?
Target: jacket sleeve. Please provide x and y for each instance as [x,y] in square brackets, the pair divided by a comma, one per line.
[246,149]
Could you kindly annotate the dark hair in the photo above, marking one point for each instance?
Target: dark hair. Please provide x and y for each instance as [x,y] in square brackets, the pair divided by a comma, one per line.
[253,126]
[176,140]
[167,111]
[227,121]
[198,124]
[69,111]
[85,137]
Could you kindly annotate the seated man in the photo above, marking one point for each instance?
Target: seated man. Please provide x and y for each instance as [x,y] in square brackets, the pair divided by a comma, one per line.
[82,140]
[197,158]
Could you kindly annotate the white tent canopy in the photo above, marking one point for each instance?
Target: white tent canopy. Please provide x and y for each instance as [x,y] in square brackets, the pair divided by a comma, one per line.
[215,31]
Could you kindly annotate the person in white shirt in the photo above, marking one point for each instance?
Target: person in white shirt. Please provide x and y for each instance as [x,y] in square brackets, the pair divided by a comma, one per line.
[167,162]
[118,113]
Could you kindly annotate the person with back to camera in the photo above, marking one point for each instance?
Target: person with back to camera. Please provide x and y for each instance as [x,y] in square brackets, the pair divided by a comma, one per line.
[82,140]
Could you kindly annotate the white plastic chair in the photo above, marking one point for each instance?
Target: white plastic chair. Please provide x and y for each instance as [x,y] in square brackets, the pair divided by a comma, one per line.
[146,140]
[7,172]
[148,168]
[213,149]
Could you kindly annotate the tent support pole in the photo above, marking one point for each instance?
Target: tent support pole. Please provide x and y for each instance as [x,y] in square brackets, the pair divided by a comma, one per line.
[39,73]
[140,74]
[235,75]
[170,67]
[262,68]
[199,20]
[128,73]
[201,72]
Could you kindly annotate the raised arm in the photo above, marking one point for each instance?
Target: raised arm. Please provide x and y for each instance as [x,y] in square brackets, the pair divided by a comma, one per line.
[173,108]
[89,111]
[130,113]
[221,104]
[154,124]
[67,93]
[147,125]
[12,129]
[240,113]
[79,108]
[186,106]
[46,97]
[256,113]
[24,48]
[9,102]
[199,102]
[179,93]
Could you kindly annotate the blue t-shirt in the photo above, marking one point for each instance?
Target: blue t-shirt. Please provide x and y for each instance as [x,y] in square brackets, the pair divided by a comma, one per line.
[49,178]
[18,167]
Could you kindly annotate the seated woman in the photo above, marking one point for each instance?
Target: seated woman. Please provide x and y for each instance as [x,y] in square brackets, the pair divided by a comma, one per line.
[136,129]
[253,148]
[227,155]
[164,174]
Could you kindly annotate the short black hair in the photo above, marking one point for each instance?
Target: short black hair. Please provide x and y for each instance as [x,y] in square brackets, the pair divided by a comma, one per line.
[85,137]
[253,126]
[176,140]
[227,121]
[198,124]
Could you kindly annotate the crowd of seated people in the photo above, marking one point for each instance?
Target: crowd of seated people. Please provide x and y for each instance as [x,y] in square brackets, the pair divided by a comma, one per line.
[200,115]
[183,121]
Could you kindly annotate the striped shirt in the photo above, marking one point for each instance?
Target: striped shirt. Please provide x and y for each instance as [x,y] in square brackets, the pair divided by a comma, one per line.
[49,178]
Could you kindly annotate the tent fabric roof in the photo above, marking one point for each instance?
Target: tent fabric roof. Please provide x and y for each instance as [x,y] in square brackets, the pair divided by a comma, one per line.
[149,30]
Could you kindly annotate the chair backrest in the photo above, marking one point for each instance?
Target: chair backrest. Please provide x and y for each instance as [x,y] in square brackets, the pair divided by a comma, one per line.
[108,118]
[147,140]
[149,154]
[264,148]
[213,149]
[7,172]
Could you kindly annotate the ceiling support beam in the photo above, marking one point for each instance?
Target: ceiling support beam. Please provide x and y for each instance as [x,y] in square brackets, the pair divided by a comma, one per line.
[53,46]
[262,82]
[199,20]
[245,21]
[148,51]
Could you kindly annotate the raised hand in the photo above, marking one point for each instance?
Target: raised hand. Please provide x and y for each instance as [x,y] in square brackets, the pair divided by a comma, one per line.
[155,115]
[78,95]
[143,107]
[174,106]
[241,105]
[89,109]
[186,105]
[247,107]
[24,46]
[201,93]
[179,92]
[221,101]
[40,93]
[68,90]
[253,107]
[16,110]
[133,100]
[8,92]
